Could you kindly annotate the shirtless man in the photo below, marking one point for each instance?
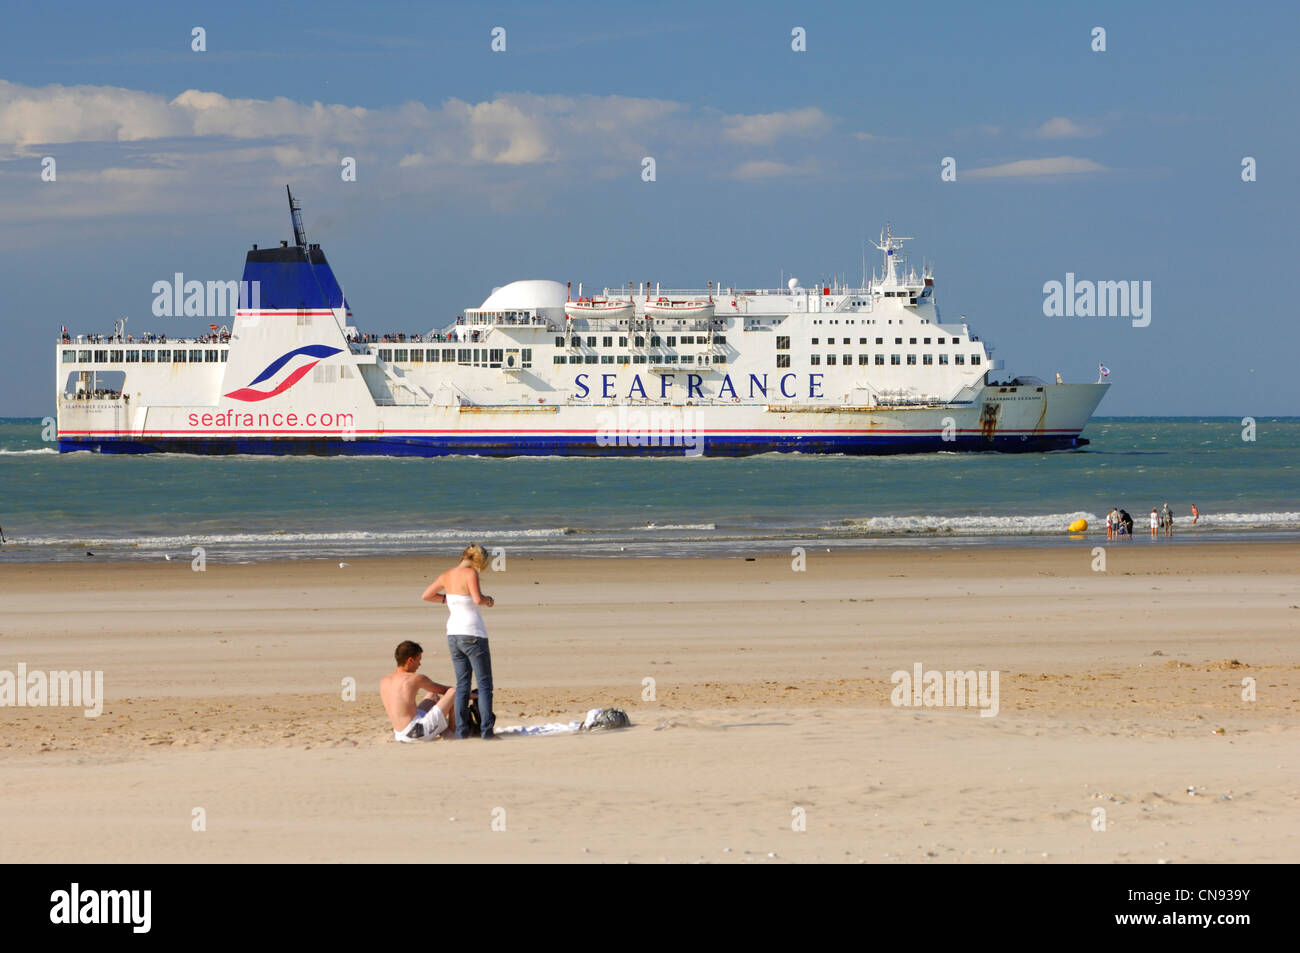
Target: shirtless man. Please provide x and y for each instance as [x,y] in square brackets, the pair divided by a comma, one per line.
[411,722]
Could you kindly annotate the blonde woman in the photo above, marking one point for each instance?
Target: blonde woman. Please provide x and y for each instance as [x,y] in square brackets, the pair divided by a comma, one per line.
[467,639]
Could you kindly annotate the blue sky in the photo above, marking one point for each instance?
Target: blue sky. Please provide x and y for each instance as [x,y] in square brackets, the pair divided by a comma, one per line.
[475,167]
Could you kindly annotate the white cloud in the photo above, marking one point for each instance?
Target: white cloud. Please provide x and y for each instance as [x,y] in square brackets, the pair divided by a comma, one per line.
[1023,168]
[765,128]
[771,169]
[1060,127]
[501,132]
[512,129]
[56,114]
[149,178]
[214,147]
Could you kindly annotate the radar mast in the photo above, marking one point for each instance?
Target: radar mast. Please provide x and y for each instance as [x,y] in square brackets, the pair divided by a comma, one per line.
[295,209]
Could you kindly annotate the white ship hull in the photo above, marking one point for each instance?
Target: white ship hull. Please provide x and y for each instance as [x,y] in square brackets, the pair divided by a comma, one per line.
[1030,419]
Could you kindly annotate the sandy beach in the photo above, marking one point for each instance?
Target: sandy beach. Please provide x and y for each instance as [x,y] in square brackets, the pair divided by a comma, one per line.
[771,735]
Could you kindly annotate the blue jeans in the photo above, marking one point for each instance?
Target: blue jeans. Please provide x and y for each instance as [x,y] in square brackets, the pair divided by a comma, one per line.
[470,653]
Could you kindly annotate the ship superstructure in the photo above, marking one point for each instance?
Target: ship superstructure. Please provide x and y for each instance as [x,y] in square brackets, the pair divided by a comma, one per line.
[542,368]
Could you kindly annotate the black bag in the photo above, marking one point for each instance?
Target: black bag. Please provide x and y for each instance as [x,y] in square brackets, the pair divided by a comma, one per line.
[475,720]
[610,718]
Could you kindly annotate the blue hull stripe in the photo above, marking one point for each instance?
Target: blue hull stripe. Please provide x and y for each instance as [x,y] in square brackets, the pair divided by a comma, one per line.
[560,445]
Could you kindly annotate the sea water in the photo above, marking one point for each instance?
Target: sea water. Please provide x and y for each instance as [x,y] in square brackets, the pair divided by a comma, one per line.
[59,506]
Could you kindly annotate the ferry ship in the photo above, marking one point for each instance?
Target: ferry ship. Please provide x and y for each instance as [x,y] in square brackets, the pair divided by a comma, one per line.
[541,369]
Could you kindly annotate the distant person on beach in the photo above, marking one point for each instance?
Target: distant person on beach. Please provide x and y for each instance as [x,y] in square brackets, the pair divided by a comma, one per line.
[1155,522]
[412,722]
[1110,524]
[1196,514]
[1127,522]
[467,639]
[1167,517]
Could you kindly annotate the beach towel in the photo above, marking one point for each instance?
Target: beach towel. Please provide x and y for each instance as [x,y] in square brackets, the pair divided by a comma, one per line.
[598,719]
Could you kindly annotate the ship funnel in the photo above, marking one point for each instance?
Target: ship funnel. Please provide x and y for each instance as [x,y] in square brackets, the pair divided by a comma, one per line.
[294,277]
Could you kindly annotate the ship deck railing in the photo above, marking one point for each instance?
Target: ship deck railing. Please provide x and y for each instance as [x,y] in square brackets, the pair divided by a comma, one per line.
[639,324]
[404,337]
[98,394]
[147,338]
[530,321]
[719,294]
[536,324]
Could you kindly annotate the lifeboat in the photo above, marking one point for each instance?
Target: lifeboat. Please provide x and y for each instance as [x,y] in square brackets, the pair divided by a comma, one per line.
[604,308]
[664,308]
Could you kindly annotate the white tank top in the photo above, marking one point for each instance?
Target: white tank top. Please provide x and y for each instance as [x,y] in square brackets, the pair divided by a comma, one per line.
[463,617]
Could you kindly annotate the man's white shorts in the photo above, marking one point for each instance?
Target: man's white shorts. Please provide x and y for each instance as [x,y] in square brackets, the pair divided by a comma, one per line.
[423,727]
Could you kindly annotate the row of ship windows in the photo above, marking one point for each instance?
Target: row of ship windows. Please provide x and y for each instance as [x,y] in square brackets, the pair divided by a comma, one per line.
[895,360]
[636,359]
[453,355]
[853,321]
[783,343]
[178,356]
[655,340]
[495,356]
[782,360]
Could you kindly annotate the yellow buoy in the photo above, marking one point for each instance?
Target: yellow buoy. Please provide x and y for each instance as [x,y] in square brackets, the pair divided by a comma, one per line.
[1078,526]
